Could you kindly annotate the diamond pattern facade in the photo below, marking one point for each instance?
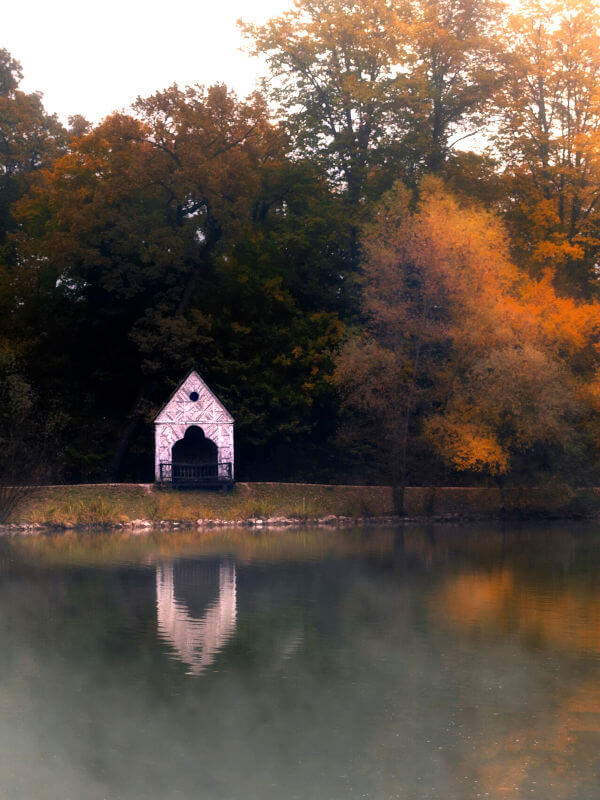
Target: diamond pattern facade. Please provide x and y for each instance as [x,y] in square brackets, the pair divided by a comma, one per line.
[207,412]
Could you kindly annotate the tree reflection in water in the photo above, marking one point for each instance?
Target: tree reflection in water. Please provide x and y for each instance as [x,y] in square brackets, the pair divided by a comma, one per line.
[559,747]
[455,662]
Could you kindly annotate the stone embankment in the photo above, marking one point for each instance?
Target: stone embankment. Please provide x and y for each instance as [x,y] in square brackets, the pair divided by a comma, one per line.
[139,525]
[138,507]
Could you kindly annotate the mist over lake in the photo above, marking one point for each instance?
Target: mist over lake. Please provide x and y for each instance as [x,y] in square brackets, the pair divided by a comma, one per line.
[455,662]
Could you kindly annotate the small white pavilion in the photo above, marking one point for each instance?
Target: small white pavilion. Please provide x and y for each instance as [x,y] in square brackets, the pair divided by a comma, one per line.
[194,437]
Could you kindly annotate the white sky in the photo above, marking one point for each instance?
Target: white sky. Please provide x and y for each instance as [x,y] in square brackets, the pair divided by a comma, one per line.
[92,57]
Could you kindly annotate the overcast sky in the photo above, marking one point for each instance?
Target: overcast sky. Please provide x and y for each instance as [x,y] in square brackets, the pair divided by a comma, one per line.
[91,57]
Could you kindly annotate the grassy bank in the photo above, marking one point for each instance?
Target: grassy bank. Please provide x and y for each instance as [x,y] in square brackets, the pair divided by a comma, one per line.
[87,505]
[124,503]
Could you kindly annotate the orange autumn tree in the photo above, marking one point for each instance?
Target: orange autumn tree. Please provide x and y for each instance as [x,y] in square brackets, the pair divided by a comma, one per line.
[461,351]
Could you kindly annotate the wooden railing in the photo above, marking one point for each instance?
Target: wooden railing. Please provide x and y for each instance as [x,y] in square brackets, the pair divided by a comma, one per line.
[196,473]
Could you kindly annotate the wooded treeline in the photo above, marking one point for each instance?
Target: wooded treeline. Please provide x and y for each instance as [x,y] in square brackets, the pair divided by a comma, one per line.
[370,298]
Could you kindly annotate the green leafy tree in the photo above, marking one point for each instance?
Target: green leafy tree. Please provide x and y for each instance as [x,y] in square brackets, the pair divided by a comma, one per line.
[376,90]
[333,68]
[182,237]
[450,75]
[120,232]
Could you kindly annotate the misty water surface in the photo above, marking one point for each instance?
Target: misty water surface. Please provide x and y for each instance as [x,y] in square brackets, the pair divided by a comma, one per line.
[448,662]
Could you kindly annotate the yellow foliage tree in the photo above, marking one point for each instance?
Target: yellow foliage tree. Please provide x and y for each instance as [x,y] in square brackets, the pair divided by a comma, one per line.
[549,138]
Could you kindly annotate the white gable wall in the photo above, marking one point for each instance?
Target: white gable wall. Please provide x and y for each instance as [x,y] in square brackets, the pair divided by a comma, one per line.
[180,413]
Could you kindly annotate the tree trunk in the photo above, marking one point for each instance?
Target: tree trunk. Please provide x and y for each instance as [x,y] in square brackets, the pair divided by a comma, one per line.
[398,490]
[130,429]
[502,490]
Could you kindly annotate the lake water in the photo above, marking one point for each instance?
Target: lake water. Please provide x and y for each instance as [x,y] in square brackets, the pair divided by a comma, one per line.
[437,662]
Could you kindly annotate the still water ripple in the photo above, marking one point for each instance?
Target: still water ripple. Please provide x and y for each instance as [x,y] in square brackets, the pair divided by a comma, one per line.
[421,663]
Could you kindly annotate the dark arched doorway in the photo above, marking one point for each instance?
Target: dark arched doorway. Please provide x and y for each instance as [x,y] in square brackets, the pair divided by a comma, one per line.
[194,456]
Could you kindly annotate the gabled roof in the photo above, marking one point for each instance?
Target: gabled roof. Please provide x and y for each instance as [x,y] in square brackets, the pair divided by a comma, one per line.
[182,409]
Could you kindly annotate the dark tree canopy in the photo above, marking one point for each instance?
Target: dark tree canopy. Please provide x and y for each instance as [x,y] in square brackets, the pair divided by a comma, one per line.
[244,237]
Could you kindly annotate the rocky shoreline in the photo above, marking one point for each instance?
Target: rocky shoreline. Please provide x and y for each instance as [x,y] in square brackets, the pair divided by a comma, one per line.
[138,508]
[141,525]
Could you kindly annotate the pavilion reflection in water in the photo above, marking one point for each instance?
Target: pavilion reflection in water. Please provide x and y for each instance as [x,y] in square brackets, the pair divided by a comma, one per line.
[196,609]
